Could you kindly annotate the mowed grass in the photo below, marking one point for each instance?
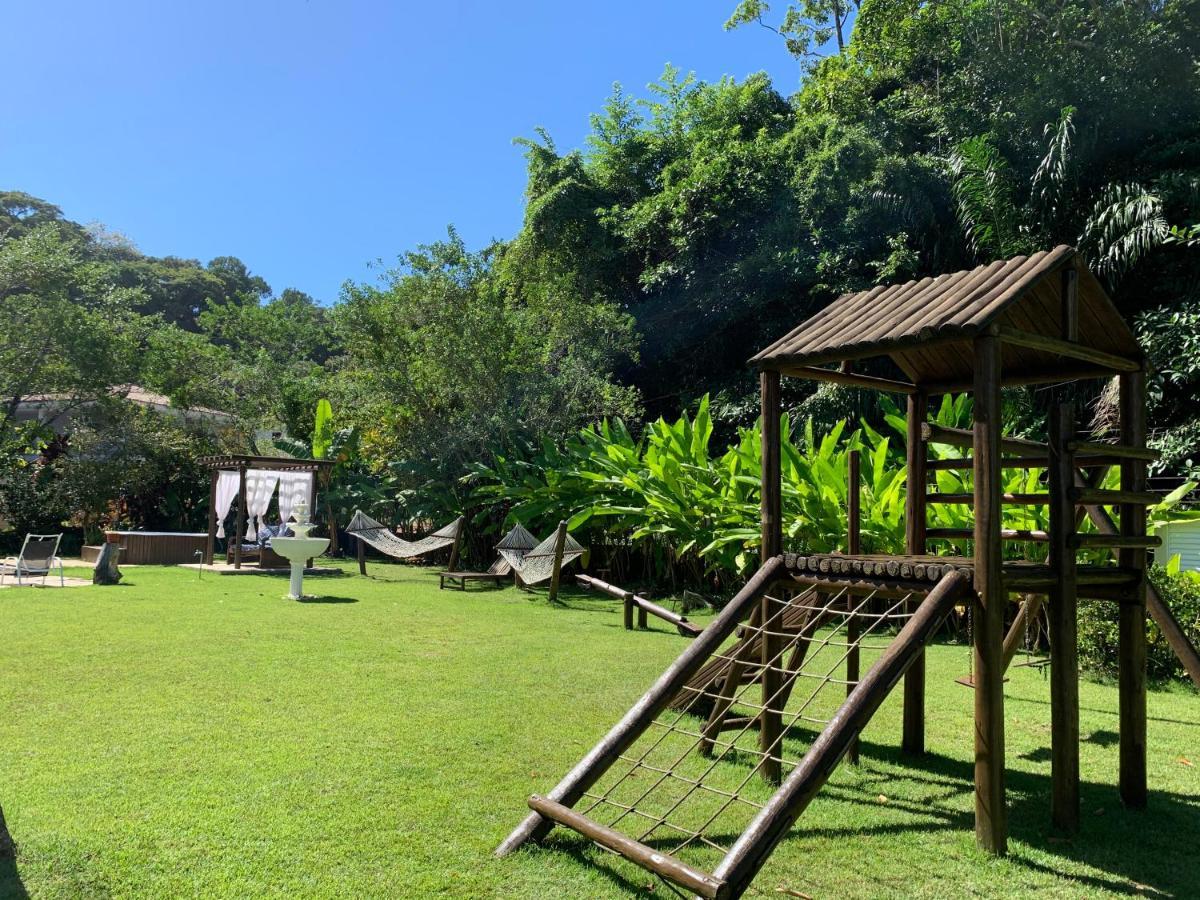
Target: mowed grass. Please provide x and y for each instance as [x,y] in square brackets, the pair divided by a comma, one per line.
[183,737]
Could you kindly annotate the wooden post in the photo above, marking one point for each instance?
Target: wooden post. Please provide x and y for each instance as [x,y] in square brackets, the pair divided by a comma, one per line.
[991,814]
[853,547]
[210,546]
[1131,646]
[239,531]
[628,612]
[1064,625]
[454,548]
[771,487]
[913,739]
[560,541]
[770,728]
[362,555]
[770,724]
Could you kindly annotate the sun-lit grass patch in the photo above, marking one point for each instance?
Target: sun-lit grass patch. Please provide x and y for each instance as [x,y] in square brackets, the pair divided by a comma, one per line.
[187,736]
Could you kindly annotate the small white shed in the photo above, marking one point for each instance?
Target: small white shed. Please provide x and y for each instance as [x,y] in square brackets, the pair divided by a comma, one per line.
[1180,539]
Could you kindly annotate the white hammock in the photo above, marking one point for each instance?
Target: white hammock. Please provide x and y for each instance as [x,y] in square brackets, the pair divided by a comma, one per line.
[534,562]
[385,541]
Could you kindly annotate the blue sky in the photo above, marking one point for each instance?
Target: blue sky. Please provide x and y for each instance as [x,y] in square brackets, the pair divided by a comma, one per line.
[310,137]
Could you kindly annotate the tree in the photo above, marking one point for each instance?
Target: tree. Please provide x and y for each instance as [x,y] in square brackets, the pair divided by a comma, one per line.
[69,330]
[806,27]
[444,366]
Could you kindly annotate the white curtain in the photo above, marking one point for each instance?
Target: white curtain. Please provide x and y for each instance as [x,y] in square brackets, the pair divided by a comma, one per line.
[227,489]
[260,488]
[294,487]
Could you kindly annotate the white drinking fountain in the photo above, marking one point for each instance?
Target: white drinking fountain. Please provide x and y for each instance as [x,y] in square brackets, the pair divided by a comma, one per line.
[296,550]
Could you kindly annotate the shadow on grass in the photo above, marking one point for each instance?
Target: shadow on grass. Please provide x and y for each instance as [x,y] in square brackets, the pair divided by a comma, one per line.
[1124,848]
[327,599]
[11,886]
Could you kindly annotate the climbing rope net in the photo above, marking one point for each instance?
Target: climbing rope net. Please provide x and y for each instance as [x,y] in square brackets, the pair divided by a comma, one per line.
[385,541]
[534,561]
[688,787]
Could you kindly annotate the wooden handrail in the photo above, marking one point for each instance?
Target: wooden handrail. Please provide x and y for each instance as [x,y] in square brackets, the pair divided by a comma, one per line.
[969,499]
[1121,451]
[1114,541]
[958,534]
[1099,497]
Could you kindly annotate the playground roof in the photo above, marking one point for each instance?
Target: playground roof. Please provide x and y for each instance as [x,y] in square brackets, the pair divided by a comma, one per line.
[926,327]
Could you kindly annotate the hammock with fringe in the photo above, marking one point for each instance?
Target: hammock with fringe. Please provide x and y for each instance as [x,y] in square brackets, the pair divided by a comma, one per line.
[534,562]
[385,541]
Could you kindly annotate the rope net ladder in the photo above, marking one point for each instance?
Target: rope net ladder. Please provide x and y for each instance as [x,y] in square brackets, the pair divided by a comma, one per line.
[688,787]
[779,685]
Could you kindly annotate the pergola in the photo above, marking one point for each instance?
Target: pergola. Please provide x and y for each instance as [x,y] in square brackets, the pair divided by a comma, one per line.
[1041,319]
[241,464]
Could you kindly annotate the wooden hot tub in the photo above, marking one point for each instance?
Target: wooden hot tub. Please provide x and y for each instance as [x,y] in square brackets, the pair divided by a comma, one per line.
[160,548]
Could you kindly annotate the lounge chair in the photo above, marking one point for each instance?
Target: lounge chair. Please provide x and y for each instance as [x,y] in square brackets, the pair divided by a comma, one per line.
[496,571]
[38,557]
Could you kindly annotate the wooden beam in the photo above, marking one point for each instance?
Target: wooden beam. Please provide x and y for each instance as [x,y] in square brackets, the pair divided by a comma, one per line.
[239,531]
[991,813]
[913,728]
[965,463]
[1007,534]
[210,545]
[1099,497]
[1064,627]
[1115,542]
[770,733]
[1121,451]
[1068,349]
[772,487]
[1057,375]
[968,499]
[648,858]
[560,543]
[1069,295]
[850,379]
[1131,627]
[961,437]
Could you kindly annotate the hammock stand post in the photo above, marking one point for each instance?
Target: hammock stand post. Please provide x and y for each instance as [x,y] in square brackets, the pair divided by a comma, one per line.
[560,543]
[362,555]
[454,551]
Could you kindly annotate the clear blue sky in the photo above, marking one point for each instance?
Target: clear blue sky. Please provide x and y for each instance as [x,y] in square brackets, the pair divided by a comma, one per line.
[310,137]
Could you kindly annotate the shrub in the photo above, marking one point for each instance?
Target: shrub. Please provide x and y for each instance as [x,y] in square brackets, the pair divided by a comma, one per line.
[1098,627]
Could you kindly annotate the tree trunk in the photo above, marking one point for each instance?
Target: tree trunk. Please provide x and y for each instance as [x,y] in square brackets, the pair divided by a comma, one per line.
[106,571]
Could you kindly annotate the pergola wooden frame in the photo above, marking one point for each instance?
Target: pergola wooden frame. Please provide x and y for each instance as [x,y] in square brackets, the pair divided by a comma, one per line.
[241,464]
[1042,319]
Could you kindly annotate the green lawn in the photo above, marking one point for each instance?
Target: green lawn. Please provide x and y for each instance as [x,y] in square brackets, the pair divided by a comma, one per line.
[184,737]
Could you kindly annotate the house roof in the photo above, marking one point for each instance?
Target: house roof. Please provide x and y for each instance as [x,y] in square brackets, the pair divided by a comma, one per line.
[58,404]
[927,326]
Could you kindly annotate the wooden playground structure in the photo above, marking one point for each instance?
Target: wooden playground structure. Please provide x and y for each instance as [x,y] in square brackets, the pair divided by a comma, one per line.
[651,789]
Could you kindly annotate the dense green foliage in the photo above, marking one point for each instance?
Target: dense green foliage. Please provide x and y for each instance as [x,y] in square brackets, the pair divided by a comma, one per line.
[1098,627]
[696,223]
